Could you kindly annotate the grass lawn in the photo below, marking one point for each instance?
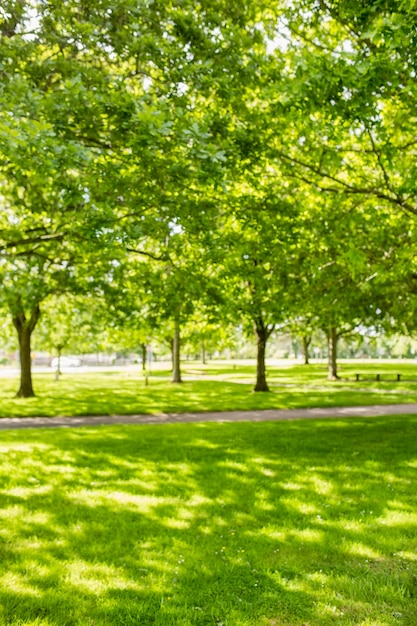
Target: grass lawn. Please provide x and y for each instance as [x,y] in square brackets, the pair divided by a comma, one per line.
[214,387]
[269,524]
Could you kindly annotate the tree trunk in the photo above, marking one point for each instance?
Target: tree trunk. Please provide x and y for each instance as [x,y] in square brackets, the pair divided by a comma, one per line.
[332,338]
[262,334]
[203,352]
[176,368]
[144,354]
[171,349]
[306,345]
[59,350]
[58,367]
[24,329]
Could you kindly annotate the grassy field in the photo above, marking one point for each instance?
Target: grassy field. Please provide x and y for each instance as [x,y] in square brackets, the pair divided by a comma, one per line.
[214,387]
[269,524]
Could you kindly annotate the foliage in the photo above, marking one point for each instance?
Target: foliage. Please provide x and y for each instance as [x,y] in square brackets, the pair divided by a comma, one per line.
[253,162]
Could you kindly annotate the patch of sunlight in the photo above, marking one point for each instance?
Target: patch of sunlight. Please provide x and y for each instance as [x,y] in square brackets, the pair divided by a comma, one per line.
[36,517]
[35,543]
[152,562]
[217,522]
[97,578]
[242,467]
[394,517]
[262,505]
[36,569]
[143,503]
[227,498]
[291,486]
[13,512]
[412,464]
[329,610]
[410,556]
[323,487]
[347,525]
[312,482]
[267,472]
[307,534]
[262,494]
[26,492]
[17,584]
[270,532]
[359,549]
[24,447]
[62,469]
[318,577]
[204,443]
[300,506]
[41,621]
[144,485]
[198,500]
[182,469]
[180,524]
[259,460]
[183,514]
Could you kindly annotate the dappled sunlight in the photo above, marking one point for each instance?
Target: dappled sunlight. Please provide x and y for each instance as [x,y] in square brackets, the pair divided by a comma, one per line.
[217,387]
[359,549]
[96,578]
[312,522]
[17,583]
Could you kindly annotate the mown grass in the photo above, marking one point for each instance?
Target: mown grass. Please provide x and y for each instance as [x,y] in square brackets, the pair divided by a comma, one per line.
[215,387]
[268,524]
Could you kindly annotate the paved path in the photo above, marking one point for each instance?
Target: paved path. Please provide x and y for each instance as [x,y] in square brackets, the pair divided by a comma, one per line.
[227,416]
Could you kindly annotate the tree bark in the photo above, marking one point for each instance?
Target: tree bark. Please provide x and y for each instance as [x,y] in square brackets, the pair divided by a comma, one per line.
[176,367]
[59,350]
[58,368]
[262,333]
[332,339]
[306,345]
[24,328]
[144,355]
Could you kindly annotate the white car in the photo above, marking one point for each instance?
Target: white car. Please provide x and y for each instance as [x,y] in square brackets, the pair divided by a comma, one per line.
[65,361]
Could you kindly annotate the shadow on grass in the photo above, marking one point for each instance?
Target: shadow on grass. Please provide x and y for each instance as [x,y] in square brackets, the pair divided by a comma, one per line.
[237,524]
[94,394]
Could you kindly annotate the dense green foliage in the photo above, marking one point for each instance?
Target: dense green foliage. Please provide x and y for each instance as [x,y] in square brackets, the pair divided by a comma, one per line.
[248,163]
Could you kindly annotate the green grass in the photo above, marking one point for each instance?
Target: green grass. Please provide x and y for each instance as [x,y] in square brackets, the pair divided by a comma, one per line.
[215,387]
[266,524]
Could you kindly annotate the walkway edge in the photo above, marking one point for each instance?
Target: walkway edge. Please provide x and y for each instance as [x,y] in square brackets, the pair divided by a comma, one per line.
[8,423]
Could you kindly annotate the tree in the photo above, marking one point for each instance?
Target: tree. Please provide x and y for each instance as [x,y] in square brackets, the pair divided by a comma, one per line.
[349,100]
[352,269]
[259,240]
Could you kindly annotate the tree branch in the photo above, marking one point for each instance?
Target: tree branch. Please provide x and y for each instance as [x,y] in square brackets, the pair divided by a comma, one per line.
[24,242]
[344,186]
[149,254]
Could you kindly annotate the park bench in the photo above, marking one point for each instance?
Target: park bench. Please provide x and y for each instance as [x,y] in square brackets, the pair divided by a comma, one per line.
[377,377]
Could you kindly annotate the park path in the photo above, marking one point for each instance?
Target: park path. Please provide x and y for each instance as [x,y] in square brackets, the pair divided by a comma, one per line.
[7,423]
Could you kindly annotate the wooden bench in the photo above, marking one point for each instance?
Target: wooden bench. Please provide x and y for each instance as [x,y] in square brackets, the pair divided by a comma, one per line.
[377,377]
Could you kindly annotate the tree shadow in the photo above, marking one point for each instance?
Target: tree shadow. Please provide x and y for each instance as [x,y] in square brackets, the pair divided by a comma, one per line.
[267,523]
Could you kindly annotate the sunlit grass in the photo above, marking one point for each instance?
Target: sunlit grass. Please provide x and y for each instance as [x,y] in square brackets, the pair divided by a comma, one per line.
[213,387]
[267,524]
